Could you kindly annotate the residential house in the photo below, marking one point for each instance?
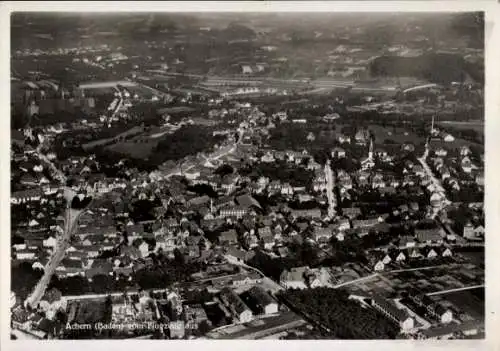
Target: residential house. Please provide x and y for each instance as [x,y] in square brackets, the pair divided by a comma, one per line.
[286,189]
[251,241]
[294,278]
[415,253]
[309,213]
[400,257]
[419,170]
[364,223]
[446,252]
[430,253]
[448,138]
[441,152]
[376,262]
[229,183]
[144,248]
[343,224]
[228,237]
[321,234]
[236,254]
[433,308]
[267,157]
[340,236]
[480,179]
[26,254]
[195,314]
[99,267]
[312,165]
[351,212]
[50,242]
[68,268]
[408,147]
[267,242]
[342,138]
[465,151]
[381,153]
[466,164]
[338,152]
[378,181]
[283,251]
[479,231]
[406,241]
[245,279]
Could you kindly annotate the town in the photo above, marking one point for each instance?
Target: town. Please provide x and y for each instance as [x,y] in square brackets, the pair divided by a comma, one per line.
[165,194]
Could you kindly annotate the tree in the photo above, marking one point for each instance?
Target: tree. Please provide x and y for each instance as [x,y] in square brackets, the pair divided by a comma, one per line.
[179,257]
[223,170]
[102,283]
[75,285]
[203,189]
[24,279]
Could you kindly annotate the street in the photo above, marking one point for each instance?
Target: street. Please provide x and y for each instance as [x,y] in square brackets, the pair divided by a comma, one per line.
[329,190]
[70,226]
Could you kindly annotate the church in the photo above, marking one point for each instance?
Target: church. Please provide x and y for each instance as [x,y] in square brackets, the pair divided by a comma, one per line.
[368,162]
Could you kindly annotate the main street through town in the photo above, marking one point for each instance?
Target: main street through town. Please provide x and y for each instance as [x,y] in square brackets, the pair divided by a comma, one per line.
[71,217]
[330,184]
[70,225]
[438,186]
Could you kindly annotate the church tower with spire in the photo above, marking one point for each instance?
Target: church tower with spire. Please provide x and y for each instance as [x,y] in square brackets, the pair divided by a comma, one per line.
[368,162]
[370,149]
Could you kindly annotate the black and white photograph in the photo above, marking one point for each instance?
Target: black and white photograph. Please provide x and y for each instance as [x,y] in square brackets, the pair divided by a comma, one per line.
[247,175]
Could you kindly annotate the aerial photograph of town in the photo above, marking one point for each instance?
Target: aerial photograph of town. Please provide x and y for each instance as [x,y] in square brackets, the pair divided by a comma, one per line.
[258,175]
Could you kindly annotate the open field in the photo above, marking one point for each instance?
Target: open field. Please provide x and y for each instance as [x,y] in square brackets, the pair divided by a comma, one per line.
[177,109]
[260,328]
[109,84]
[469,302]
[477,126]
[426,280]
[134,149]
[399,135]
[140,146]
[141,91]
[456,144]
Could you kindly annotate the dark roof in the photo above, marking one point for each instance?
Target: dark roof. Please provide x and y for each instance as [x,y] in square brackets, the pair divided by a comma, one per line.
[46,325]
[135,228]
[229,235]
[247,201]
[67,263]
[428,234]
[200,200]
[261,297]
[400,315]
[364,222]
[452,328]
[16,135]
[230,298]
[351,211]
[27,193]
[236,253]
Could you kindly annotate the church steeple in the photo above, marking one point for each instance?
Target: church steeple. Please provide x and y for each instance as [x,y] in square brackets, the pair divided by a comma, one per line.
[370,150]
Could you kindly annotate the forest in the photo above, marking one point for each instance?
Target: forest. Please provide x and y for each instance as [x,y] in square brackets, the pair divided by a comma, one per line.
[436,68]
